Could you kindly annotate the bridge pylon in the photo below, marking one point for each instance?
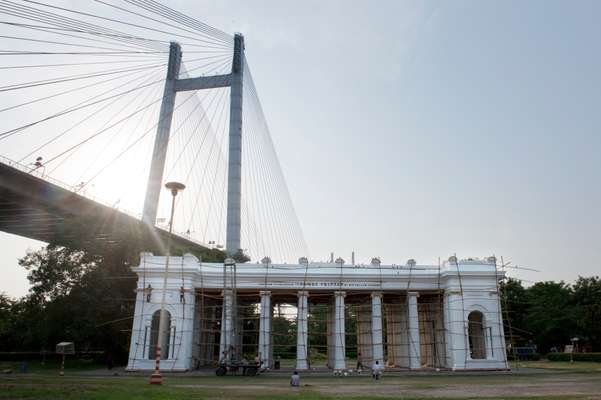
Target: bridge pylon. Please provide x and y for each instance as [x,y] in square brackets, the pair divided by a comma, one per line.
[159,153]
[173,85]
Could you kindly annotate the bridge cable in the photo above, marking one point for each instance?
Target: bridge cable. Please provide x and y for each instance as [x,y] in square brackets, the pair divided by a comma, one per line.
[89,116]
[69,78]
[142,100]
[216,42]
[176,16]
[113,40]
[61,21]
[125,40]
[110,19]
[128,147]
[292,218]
[209,126]
[80,87]
[275,166]
[77,107]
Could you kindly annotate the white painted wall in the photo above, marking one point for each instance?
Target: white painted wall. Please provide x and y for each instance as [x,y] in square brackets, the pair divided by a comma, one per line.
[467,285]
[182,316]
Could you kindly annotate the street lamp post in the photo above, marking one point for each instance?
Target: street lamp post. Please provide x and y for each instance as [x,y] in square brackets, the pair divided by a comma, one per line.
[156,378]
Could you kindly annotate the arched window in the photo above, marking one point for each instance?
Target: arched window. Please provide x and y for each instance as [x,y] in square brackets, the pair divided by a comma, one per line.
[154,335]
[476,335]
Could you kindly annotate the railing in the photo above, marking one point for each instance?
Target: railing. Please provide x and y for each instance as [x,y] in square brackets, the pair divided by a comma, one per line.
[39,173]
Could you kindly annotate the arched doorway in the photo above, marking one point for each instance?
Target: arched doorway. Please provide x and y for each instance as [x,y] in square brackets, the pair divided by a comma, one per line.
[154,335]
[477,340]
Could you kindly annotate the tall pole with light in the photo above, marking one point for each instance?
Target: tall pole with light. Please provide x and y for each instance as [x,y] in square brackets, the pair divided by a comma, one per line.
[156,378]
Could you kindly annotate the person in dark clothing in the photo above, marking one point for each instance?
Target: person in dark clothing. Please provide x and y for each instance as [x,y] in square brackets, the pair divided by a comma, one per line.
[109,360]
[359,363]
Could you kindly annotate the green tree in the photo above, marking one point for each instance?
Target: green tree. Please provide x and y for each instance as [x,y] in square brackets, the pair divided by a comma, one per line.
[77,297]
[284,335]
[81,293]
[317,324]
[515,303]
[6,306]
[550,315]
[55,270]
[250,327]
[586,301]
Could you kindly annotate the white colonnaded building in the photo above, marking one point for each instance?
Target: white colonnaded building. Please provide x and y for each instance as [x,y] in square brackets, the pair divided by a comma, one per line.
[414,317]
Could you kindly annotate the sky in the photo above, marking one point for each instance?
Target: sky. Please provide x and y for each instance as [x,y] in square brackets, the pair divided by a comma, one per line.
[422,129]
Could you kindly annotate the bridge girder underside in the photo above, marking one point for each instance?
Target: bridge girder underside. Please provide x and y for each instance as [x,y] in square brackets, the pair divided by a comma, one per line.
[37,209]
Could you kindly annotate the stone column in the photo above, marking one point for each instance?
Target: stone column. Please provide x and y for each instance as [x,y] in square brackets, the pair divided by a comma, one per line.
[376,330]
[302,331]
[339,331]
[140,332]
[413,331]
[226,335]
[456,330]
[198,333]
[185,337]
[265,329]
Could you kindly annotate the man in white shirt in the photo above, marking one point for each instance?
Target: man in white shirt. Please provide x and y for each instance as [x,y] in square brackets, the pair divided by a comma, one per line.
[376,370]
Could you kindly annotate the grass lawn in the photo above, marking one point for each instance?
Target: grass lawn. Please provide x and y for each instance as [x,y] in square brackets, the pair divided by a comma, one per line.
[576,366]
[575,381]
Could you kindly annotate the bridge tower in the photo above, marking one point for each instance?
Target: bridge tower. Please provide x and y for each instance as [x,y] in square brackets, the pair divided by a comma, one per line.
[159,153]
[234,178]
[173,85]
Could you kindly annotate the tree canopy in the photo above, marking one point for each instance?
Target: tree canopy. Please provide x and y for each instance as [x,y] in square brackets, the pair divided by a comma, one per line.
[549,314]
[84,296]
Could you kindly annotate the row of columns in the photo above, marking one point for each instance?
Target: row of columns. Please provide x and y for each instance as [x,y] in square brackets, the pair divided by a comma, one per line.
[337,330]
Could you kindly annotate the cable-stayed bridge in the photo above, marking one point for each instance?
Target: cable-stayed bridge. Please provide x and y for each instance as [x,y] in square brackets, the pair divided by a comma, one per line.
[111,99]
[105,102]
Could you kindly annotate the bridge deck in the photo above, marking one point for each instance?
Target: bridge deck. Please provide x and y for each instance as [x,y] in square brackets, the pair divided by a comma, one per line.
[35,208]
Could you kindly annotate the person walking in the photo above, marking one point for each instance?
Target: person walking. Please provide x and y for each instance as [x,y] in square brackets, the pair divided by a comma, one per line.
[359,363]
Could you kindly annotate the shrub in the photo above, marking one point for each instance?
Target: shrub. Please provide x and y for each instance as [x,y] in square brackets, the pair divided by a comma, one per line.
[595,357]
[524,357]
